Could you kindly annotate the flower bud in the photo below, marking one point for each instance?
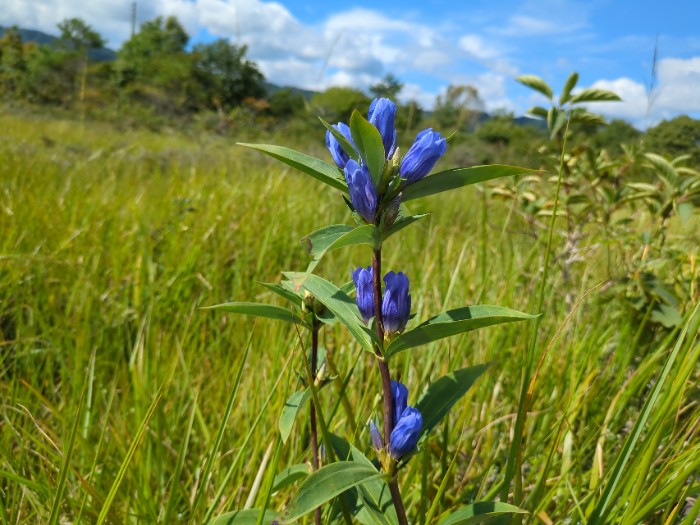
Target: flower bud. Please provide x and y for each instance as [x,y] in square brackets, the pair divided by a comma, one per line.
[382,114]
[363,194]
[404,437]
[377,442]
[428,147]
[337,152]
[396,306]
[399,394]
[364,284]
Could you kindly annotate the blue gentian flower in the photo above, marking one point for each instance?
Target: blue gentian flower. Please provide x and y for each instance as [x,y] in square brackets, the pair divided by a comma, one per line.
[337,152]
[399,394]
[406,432]
[428,147]
[364,284]
[363,194]
[382,114]
[396,306]
[375,435]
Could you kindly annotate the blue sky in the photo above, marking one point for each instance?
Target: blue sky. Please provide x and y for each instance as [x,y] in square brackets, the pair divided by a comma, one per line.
[431,44]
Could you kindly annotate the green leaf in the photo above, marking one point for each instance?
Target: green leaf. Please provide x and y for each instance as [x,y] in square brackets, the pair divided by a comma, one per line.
[290,410]
[441,396]
[568,86]
[537,84]
[338,302]
[480,512]
[458,177]
[335,237]
[556,121]
[285,289]
[538,111]
[244,517]
[318,169]
[259,310]
[595,95]
[454,322]
[290,475]
[401,223]
[344,143]
[369,144]
[325,484]
[375,506]
[586,117]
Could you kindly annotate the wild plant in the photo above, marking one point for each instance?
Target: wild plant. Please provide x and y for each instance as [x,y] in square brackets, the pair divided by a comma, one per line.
[375,181]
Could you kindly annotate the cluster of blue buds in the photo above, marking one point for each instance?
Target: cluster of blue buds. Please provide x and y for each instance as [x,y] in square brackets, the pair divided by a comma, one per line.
[408,423]
[365,196]
[396,304]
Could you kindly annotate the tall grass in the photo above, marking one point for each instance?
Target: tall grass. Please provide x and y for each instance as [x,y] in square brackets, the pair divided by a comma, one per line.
[120,397]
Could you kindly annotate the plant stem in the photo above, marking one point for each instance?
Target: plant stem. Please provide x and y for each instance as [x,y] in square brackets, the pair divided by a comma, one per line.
[386,381]
[315,327]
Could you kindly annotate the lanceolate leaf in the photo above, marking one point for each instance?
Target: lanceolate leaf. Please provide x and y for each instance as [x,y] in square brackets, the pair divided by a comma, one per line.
[318,169]
[454,322]
[339,236]
[568,86]
[537,84]
[538,111]
[595,95]
[441,396]
[290,410]
[481,512]
[259,310]
[401,223]
[290,475]
[325,484]
[375,504]
[338,302]
[344,143]
[286,290]
[244,517]
[458,177]
[369,144]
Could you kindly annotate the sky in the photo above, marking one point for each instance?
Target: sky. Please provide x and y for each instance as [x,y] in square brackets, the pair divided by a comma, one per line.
[430,44]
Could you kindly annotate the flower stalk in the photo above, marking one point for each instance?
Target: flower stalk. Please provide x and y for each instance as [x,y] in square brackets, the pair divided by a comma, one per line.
[315,328]
[386,382]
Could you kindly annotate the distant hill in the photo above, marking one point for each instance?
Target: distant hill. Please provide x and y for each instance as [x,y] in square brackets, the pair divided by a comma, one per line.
[101,54]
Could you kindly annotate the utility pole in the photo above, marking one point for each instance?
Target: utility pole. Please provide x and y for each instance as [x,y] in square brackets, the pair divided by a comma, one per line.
[133,18]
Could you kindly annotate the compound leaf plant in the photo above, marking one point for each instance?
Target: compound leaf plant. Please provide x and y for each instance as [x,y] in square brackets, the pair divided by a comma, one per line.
[374,179]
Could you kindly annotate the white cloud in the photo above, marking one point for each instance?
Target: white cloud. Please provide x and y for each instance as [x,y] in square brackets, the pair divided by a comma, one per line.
[676,92]
[477,47]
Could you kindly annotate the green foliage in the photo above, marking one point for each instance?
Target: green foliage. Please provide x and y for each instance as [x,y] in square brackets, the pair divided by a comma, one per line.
[678,136]
[114,241]
[336,104]
[78,36]
[458,108]
[227,78]
[389,87]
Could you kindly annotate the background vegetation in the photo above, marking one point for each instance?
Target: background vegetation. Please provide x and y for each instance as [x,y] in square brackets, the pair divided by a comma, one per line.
[115,384]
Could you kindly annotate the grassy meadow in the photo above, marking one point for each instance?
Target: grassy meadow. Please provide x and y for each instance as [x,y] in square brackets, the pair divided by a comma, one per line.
[119,394]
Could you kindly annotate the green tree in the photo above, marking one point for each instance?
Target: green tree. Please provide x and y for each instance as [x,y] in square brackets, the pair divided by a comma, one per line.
[615,134]
[153,67]
[678,136]
[77,38]
[286,103]
[459,108]
[13,65]
[77,35]
[388,87]
[227,77]
[337,103]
